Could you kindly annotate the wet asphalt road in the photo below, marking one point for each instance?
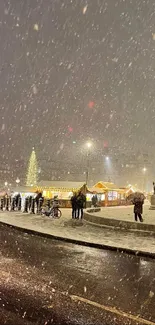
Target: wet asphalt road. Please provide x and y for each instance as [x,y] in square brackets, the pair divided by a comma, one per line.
[43,281]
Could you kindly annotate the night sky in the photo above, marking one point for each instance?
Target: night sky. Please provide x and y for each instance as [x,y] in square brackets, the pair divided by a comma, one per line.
[74,70]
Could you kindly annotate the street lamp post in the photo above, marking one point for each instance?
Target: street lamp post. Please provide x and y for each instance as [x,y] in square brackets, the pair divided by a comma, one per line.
[144,178]
[107,168]
[88,145]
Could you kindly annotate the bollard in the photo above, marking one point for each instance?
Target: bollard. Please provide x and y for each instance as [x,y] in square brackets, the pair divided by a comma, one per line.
[7,204]
[19,204]
[10,203]
[2,203]
[39,206]
[29,203]
[26,205]
[33,206]
[13,204]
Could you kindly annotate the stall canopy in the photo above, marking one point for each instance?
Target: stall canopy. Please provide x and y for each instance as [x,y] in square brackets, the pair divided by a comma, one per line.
[60,186]
[62,189]
[107,186]
[96,190]
[130,189]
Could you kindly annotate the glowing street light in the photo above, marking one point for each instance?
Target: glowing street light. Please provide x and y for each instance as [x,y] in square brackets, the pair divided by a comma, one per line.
[144,169]
[89,146]
[6,183]
[17,180]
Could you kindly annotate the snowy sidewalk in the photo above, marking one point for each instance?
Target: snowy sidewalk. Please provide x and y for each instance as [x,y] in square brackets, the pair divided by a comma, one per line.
[123,218]
[126,214]
[64,228]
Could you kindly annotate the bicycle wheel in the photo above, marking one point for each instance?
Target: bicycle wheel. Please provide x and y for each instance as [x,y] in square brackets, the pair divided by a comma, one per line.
[59,214]
[42,212]
[51,213]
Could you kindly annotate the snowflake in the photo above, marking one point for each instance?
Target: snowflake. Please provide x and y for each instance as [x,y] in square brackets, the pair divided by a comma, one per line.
[36,27]
[85,9]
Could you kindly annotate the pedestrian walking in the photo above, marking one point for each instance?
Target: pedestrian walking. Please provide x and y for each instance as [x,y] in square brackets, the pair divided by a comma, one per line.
[94,201]
[74,205]
[81,204]
[138,209]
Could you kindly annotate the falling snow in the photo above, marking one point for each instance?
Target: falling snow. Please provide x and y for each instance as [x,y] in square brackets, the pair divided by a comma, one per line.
[34,89]
[74,71]
[85,9]
[36,27]
[151,294]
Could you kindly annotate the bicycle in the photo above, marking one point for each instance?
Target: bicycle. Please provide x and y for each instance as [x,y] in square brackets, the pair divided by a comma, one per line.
[54,212]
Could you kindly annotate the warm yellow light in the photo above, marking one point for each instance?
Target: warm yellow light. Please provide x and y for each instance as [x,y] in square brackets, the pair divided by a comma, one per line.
[89,144]
[36,27]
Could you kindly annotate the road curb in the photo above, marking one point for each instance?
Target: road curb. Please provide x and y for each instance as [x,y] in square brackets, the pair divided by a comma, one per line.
[121,224]
[81,242]
[126,230]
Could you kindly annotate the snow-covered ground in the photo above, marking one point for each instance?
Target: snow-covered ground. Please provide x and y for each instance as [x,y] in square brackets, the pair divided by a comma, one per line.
[126,213]
[64,228]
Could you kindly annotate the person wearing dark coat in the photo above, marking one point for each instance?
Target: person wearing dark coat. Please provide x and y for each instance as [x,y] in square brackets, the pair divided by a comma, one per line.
[81,204]
[138,209]
[17,197]
[74,206]
[39,200]
[94,201]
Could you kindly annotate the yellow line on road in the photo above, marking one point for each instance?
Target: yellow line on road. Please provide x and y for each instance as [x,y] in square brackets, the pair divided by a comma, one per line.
[112,310]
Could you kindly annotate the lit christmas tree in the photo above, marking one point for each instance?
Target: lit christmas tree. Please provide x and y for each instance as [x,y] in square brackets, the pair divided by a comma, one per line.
[32,170]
